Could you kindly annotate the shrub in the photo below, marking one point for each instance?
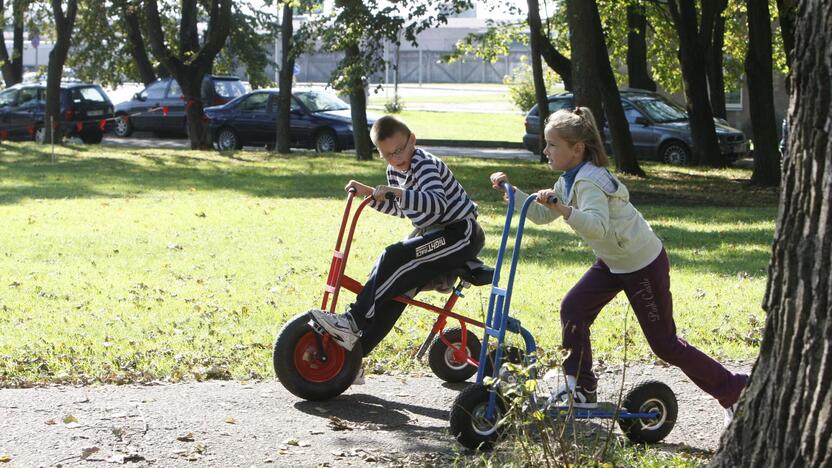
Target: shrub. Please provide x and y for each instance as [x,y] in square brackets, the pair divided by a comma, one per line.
[521,85]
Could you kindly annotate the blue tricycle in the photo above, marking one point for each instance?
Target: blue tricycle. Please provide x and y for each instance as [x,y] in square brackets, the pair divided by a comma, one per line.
[646,415]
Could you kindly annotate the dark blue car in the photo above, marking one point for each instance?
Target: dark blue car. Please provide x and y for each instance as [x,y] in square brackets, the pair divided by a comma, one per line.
[318,120]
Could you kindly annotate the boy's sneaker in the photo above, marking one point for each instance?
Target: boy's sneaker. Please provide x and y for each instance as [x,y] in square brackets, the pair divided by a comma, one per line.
[729,414]
[339,326]
[582,398]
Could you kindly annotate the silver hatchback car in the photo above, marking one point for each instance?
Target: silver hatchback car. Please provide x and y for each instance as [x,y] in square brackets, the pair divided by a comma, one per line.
[660,128]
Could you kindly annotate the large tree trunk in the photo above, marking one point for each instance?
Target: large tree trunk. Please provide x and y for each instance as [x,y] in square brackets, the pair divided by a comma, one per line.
[758,70]
[287,65]
[582,37]
[13,64]
[64,23]
[536,38]
[130,10]
[703,133]
[192,61]
[622,141]
[712,40]
[638,73]
[786,11]
[784,418]
[358,109]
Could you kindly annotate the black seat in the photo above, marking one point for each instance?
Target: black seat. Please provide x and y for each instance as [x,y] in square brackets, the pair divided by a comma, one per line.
[475,272]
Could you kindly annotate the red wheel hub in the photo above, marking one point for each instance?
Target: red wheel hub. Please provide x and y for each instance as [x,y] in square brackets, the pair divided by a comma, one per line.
[308,361]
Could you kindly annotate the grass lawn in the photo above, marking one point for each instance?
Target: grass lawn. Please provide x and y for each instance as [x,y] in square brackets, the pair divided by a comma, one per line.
[464,125]
[124,265]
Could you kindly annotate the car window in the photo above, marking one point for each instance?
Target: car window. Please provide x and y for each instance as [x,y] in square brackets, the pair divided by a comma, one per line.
[155,91]
[175,91]
[631,112]
[88,94]
[559,104]
[660,110]
[317,101]
[8,98]
[255,103]
[29,96]
[229,89]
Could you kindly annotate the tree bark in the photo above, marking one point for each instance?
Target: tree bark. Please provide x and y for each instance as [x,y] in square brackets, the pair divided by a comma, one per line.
[358,109]
[786,11]
[138,51]
[638,73]
[712,40]
[193,62]
[784,418]
[64,24]
[284,97]
[582,38]
[703,133]
[13,65]
[557,62]
[623,149]
[536,38]
[758,71]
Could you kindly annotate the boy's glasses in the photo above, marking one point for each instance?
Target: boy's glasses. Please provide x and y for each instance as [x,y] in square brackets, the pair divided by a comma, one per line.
[396,153]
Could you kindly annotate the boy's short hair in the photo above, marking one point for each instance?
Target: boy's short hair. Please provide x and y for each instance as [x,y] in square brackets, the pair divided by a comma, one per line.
[387,126]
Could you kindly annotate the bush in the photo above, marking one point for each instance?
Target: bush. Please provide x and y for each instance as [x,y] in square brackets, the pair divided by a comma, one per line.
[394,106]
[521,85]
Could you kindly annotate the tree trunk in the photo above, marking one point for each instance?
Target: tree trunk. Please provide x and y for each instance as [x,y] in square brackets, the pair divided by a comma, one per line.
[13,64]
[703,133]
[786,11]
[557,62]
[358,109]
[193,61]
[64,23]
[623,149]
[638,73]
[536,38]
[758,70]
[582,38]
[138,51]
[712,40]
[287,66]
[784,417]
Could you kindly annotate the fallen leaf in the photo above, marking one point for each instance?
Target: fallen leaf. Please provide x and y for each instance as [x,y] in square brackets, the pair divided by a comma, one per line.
[189,437]
[291,441]
[70,419]
[230,420]
[5,458]
[338,424]
[87,451]
[50,422]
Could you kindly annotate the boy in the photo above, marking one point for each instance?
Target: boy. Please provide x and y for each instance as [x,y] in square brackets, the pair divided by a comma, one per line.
[446,235]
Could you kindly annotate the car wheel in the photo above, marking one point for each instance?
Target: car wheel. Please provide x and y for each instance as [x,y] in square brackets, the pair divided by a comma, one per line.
[92,138]
[123,127]
[227,140]
[325,142]
[675,152]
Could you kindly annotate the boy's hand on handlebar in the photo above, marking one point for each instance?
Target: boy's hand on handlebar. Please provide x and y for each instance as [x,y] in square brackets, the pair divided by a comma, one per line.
[360,189]
[380,192]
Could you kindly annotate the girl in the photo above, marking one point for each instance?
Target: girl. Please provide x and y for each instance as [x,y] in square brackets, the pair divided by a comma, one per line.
[630,257]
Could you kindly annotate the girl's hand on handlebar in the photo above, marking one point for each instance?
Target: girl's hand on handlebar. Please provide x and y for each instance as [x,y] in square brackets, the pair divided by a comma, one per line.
[360,189]
[497,180]
[547,198]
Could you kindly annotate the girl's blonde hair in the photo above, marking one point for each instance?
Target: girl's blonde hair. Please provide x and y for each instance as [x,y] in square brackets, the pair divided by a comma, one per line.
[578,126]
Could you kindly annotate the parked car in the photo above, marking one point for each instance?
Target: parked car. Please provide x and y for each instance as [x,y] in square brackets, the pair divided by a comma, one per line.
[160,107]
[86,111]
[660,128]
[317,119]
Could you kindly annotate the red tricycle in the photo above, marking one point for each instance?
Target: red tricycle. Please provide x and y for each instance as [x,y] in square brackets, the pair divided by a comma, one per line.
[313,366]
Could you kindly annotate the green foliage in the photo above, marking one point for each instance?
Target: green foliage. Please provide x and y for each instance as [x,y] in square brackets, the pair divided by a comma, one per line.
[250,31]
[492,44]
[394,106]
[521,85]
